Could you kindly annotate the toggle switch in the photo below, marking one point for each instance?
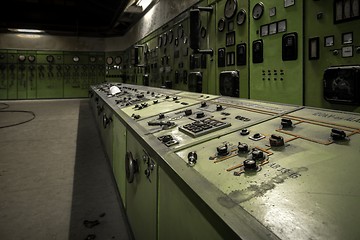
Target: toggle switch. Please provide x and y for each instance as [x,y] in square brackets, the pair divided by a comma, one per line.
[276,141]
[286,123]
[337,134]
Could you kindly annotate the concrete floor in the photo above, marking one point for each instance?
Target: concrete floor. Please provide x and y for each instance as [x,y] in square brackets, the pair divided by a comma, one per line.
[54,175]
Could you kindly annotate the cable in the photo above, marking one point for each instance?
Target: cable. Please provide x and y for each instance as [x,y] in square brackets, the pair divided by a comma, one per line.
[16,111]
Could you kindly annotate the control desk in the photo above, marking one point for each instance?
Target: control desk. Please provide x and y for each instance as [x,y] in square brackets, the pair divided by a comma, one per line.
[244,168]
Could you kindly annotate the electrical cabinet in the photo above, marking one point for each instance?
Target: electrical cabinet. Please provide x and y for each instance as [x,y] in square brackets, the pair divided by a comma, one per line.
[3,74]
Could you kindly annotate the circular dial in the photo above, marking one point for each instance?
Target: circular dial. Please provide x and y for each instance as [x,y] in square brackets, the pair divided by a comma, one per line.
[171,36]
[118,60]
[76,58]
[109,60]
[22,58]
[258,11]
[241,17]
[221,25]
[50,58]
[230,8]
[92,59]
[31,58]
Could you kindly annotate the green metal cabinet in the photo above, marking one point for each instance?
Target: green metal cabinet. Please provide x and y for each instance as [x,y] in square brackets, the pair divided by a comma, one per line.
[3,74]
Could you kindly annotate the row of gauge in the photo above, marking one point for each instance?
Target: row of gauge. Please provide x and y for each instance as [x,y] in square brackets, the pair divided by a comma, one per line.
[50,58]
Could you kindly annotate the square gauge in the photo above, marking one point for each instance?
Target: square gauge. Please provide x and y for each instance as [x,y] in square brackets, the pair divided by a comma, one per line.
[281,26]
[264,30]
[347,38]
[288,3]
[272,28]
[347,51]
[329,41]
[272,11]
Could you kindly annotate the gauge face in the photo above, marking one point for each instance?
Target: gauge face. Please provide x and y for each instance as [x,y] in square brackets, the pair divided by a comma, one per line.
[22,58]
[76,58]
[221,25]
[165,39]
[203,32]
[281,26]
[118,60]
[329,41]
[171,36]
[258,11]
[180,31]
[241,17]
[264,30]
[109,60]
[92,59]
[230,8]
[31,58]
[160,41]
[50,58]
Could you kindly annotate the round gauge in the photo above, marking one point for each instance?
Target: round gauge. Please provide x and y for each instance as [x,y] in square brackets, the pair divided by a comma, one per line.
[31,58]
[230,8]
[180,31]
[176,42]
[118,60]
[22,58]
[165,39]
[258,11]
[160,41]
[50,58]
[203,32]
[76,59]
[171,36]
[241,17]
[221,25]
[109,60]
[92,59]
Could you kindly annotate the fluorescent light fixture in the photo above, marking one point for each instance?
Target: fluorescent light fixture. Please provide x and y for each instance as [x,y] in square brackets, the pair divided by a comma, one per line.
[143,3]
[19,30]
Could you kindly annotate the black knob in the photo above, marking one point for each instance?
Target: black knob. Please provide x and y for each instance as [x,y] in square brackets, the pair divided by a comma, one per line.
[337,134]
[188,112]
[156,101]
[222,150]
[286,123]
[200,115]
[276,141]
[166,138]
[203,104]
[136,116]
[250,164]
[167,97]
[192,158]
[219,107]
[161,116]
[148,92]
[244,132]
[257,155]
[243,147]
[257,135]
[175,98]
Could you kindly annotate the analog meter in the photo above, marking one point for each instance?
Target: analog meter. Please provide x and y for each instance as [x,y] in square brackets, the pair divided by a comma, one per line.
[118,60]
[22,58]
[241,17]
[258,10]
[76,58]
[31,58]
[109,60]
[230,8]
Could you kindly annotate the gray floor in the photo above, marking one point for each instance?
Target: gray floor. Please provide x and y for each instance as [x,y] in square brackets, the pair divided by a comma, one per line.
[54,175]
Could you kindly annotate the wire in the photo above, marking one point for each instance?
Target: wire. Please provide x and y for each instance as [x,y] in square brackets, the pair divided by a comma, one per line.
[16,111]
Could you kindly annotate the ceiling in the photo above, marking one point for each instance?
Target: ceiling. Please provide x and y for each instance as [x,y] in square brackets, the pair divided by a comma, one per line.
[92,18]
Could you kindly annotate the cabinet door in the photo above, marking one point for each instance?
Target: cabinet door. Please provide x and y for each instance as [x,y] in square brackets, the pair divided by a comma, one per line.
[141,190]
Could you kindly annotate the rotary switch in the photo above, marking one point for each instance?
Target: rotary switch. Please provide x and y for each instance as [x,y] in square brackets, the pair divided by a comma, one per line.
[219,107]
[200,115]
[222,150]
[286,123]
[276,141]
[257,155]
[243,147]
[337,134]
[250,165]
[192,158]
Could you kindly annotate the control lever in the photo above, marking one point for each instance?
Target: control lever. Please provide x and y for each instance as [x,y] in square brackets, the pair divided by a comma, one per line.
[161,123]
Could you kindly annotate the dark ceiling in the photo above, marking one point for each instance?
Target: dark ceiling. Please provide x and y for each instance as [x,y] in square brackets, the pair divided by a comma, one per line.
[94,18]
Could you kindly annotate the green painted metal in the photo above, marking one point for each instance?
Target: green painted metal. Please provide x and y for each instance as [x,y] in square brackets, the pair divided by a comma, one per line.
[12,74]
[50,74]
[141,195]
[314,69]
[274,79]
[119,152]
[76,83]
[3,74]
[105,117]
[31,74]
